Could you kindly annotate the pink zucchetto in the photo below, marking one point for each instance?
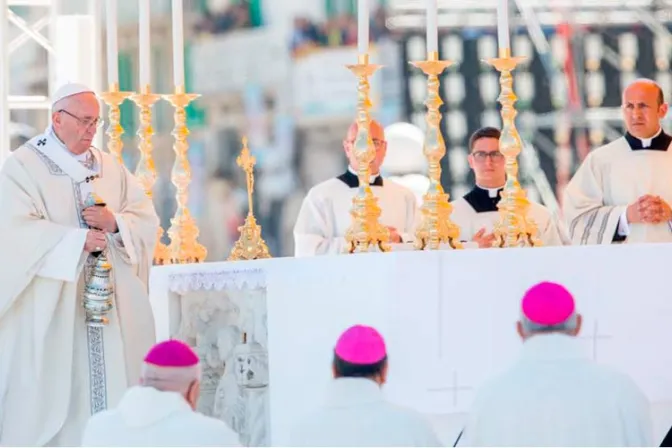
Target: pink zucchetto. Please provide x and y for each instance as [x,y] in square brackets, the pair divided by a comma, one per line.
[361,345]
[548,303]
[171,353]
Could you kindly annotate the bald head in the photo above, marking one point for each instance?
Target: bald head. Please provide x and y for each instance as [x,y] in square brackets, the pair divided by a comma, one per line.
[377,134]
[644,106]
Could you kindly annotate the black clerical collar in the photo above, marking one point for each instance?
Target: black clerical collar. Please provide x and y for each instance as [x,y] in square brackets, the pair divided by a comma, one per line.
[351,180]
[481,199]
[658,143]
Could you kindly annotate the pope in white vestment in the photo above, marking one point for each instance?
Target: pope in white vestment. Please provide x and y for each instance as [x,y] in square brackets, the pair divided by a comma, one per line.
[355,412]
[622,191]
[324,217]
[554,395]
[55,371]
[476,213]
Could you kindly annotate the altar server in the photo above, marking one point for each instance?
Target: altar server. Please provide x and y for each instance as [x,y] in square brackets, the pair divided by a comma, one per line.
[476,213]
[55,371]
[554,395]
[161,411]
[355,412]
[622,191]
[325,217]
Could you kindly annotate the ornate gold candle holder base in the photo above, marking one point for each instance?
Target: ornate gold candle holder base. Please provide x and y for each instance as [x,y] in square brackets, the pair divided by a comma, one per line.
[435,228]
[184,246]
[146,171]
[515,228]
[114,98]
[250,244]
[365,234]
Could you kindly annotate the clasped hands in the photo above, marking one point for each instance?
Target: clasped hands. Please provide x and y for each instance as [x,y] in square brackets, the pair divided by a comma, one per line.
[102,221]
[649,209]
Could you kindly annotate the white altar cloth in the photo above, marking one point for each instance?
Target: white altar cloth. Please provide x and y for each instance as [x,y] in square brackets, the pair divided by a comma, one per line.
[449,320]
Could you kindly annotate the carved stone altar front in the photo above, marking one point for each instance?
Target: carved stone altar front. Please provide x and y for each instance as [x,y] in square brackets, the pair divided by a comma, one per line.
[222,315]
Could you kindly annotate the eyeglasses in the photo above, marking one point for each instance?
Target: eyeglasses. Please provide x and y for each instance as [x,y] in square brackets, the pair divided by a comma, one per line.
[495,156]
[86,122]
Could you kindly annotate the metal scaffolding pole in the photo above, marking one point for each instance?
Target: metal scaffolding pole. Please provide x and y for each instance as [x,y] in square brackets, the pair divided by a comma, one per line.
[5,70]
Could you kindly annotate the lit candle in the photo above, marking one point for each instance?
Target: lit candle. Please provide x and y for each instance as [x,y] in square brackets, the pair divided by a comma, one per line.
[143,36]
[432,27]
[112,49]
[363,26]
[503,24]
[178,44]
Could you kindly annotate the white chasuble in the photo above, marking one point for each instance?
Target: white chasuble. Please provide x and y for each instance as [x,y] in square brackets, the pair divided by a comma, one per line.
[478,210]
[54,370]
[611,178]
[324,217]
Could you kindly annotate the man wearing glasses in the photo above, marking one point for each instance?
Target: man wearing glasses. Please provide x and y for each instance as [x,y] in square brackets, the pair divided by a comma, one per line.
[476,213]
[62,204]
[324,217]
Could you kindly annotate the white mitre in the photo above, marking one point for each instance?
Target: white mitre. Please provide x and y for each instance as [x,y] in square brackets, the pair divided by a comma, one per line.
[69,89]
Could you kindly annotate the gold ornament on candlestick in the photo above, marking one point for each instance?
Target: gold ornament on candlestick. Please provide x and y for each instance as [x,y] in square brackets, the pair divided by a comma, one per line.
[146,171]
[436,228]
[250,244]
[114,98]
[515,228]
[365,233]
[184,246]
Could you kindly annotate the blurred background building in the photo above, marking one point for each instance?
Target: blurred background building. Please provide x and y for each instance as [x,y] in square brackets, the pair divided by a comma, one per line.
[274,70]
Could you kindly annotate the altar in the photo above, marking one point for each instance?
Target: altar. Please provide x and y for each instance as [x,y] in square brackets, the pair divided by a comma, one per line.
[265,329]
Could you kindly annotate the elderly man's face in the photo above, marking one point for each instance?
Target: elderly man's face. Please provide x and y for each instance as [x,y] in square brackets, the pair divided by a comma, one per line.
[77,121]
[379,143]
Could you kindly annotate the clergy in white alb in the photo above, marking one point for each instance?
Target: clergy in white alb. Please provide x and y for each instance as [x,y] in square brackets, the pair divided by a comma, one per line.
[555,395]
[622,191]
[161,411]
[324,217]
[55,371]
[355,412]
[476,213]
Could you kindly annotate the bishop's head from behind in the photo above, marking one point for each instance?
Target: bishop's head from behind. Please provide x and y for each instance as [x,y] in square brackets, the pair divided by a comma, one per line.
[377,134]
[360,353]
[548,308]
[485,158]
[75,116]
[643,106]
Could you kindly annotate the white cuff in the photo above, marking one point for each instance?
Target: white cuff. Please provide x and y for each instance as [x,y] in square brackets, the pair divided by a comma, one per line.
[63,261]
[623,227]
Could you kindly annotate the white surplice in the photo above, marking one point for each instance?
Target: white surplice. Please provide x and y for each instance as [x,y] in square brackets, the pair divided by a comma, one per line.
[555,396]
[611,178]
[152,418]
[356,414]
[324,217]
[478,210]
[54,370]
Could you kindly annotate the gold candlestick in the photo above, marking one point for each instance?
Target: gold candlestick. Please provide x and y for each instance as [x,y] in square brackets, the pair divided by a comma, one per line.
[184,246]
[515,228]
[436,227]
[146,171]
[250,244]
[114,98]
[365,232]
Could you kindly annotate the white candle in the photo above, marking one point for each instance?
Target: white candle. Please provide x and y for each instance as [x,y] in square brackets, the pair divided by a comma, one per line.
[145,52]
[112,49]
[432,26]
[503,24]
[178,44]
[363,26]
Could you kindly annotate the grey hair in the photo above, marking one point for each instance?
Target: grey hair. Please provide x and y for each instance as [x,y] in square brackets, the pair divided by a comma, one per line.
[169,379]
[568,326]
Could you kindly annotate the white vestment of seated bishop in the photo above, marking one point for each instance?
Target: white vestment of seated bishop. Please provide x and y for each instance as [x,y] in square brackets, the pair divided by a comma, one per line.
[555,396]
[478,210]
[611,178]
[325,217]
[149,417]
[355,413]
[55,371]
